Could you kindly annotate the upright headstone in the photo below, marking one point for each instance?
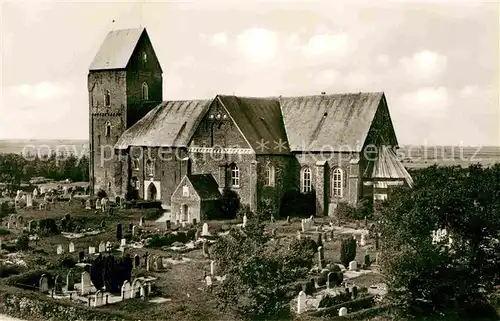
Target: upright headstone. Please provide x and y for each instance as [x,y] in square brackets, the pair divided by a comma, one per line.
[169,224]
[70,281]
[159,263]
[91,250]
[44,283]
[212,267]
[362,241]
[342,312]
[376,241]
[123,242]
[353,266]
[208,280]
[194,222]
[98,204]
[245,220]
[204,232]
[141,221]
[205,249]
[58,284]
[119,231]
[35,193]
[126,290]
[331,280]
[86,284]
[87,205]
[31,226]
[71,247]
[301,302]
[29,201]
[148,263]
[321,257]
[102,247]
[59,249]
[303,225]
[288,219]
[137,260]
[98,298]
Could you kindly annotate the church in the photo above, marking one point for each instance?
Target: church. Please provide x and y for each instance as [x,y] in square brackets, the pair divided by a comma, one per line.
[338,147]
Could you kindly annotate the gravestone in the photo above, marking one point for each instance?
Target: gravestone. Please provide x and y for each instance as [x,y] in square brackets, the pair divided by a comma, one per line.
[159,263]
[86,284]
[44,283]
[87,205]
[119,231]
[35,193]
[194,222]
[137,260]
[91,250]
[98,204]
[141,221]
[245,220]
[301,302]
[321,257]
[109,246]
[208,280]
[58,284]
[205,249]
[98,298]
[70,281]
[71,247]
[342,312]
[102,247]
[123,242]
[59,249]
[31,226]
[81,256]
[303,225]
[366,259]
[29,201]
[134,230]
[130,226]
[204,231]
[169,225]
[147,259]
[362,241]
[353,266]
[288,219]
[331,280]
[126,290]
[212,267]
[299,235]
[354,292]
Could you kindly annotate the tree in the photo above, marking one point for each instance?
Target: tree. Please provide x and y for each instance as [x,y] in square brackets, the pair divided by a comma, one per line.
[11,168]
[428,278]
[259,274]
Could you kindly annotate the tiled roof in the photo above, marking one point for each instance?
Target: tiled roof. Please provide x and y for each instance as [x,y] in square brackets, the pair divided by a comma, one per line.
[170,124]
[329,122]
[388,166]
[260,121]
[205,185]
[117,48]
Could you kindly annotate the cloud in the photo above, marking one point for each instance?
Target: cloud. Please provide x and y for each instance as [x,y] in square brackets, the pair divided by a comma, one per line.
[426,101]
[258,44]
[219,39]
[41,91]
[424,65]
[469,91]
[327,44]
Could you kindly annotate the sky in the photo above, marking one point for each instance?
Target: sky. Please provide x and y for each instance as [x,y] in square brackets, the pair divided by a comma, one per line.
[437,62]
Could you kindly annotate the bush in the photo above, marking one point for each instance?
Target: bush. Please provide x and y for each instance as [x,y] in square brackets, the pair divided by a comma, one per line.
[101,193]
[48,226]
[230,203]
[345,211]
[7,270]
[65,262]
[22,242]
[170,238]
[132,193]
[4,231]
[153,215]
[347,251]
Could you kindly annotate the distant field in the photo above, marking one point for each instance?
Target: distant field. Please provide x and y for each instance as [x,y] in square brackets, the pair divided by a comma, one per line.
[44,146]
[412,156]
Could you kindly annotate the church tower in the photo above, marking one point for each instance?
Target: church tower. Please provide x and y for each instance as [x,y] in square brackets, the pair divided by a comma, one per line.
[124,83]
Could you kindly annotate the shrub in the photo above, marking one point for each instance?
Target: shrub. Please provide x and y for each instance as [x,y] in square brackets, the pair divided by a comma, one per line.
[66,262]
[132,193]
[304,250]
[347,251]
[153,215]
[101,193]
[48,226]
[4,231]
[345,211]
[22,242]
[7,270]
[230,203]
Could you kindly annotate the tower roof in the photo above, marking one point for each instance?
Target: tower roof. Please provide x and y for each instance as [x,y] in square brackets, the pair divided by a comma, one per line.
[117,48]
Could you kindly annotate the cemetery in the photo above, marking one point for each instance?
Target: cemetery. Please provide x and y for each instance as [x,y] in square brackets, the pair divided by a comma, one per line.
[98,255]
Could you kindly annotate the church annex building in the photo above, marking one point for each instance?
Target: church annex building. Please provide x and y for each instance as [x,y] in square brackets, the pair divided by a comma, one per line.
[258,147]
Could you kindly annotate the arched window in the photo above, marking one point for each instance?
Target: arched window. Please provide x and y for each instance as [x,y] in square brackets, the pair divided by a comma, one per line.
[107,98]
[107,131]
[270,175]
[150,168]
[235,175]
[306,180]
[145,93]
[135,163]
[144,57]
[337,182]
